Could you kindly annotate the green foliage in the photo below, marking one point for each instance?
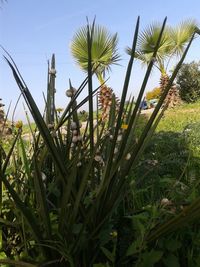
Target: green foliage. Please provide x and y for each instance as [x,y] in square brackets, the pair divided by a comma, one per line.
[173,42]
[189,80]
[192,134]
[177,119]
[103,49]
[69,190]
[83,115]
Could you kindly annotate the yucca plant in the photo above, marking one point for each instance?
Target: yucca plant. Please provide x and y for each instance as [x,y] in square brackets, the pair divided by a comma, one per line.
[70,207]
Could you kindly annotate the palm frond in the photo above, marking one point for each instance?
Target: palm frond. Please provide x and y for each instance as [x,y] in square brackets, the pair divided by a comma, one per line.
[103,51]
[181,34]
[147,41]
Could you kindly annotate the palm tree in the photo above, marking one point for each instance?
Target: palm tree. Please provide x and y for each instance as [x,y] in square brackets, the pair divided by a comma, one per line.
[103,55]
[172,45]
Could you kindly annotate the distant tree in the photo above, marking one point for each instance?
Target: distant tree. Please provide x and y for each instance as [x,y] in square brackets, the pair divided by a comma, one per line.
[154,94]
[188,79]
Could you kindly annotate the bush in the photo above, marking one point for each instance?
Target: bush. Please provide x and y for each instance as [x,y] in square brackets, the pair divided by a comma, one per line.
[189,81]
[155,93]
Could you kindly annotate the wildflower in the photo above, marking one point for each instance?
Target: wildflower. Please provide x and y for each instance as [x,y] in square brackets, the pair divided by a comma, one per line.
[19,124]
[124,126]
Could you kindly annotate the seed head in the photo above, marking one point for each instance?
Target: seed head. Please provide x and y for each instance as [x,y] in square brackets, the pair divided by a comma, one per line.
[52,71]
[128,156]
[69,93]
[74,139]
[73,125]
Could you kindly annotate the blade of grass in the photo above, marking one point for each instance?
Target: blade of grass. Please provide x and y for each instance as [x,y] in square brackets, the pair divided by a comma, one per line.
[42,200]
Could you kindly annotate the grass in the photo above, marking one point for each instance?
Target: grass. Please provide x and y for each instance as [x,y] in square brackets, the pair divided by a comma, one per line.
[177,119]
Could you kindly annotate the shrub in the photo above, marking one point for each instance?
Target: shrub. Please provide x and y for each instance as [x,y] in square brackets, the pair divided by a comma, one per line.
[189,80]
[154,94]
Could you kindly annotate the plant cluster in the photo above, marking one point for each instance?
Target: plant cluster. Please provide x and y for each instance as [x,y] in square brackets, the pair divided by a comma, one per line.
[66,196]
[189,81]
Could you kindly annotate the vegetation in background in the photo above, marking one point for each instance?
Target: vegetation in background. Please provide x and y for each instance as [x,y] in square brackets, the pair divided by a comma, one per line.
[171,47]
[154,94]
[83,195]
[177,119]
[189,81]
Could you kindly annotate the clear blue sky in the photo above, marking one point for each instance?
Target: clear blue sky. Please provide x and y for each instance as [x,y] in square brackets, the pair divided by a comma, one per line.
[31,30]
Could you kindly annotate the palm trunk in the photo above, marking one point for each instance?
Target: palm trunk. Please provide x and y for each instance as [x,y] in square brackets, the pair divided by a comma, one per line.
[173,97]
[105,98]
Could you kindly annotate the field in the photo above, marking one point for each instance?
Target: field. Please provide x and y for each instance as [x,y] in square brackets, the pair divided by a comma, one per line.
[177,119]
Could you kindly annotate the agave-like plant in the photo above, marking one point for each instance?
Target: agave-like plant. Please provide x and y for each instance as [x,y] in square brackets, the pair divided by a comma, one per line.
[69,209]
[103,55]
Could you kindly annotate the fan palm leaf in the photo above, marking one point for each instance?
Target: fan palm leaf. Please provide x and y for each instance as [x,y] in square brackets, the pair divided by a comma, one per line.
[147,41]
[180,36]
[104,49]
